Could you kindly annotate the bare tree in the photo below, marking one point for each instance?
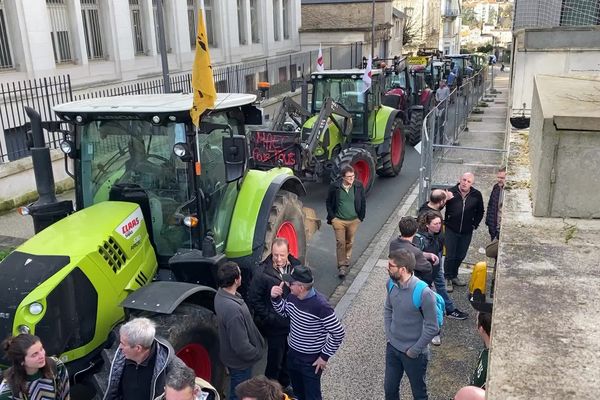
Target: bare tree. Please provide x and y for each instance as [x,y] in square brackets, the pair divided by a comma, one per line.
[409,31]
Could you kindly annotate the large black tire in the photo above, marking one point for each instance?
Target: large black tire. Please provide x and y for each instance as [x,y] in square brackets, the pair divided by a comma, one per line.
[286,219]
[391,152]
[192,331]
[415,128]
[361,160]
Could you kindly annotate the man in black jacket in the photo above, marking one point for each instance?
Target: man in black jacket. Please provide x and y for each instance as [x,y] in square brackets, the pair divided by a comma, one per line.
[464,213]
[346,207]
[273,326]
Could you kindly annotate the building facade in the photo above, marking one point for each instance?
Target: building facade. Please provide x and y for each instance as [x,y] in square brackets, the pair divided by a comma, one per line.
[451,23]
[323,23]
[423,22]
[107,41]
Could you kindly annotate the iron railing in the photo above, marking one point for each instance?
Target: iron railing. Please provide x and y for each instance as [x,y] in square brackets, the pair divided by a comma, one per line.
[43,94]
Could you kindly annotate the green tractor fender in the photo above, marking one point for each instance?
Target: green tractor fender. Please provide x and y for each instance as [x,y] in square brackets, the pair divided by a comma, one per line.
[383,123]
[253,216]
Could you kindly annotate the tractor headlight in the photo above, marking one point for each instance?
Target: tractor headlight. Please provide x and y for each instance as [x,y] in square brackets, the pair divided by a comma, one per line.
[66,146]
[180,149]
[36,308]
[23,329]
[156,119]
[190,221]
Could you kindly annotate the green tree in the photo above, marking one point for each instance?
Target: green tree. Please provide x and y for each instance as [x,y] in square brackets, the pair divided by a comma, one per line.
[493,17]
[505,18]
[470,18]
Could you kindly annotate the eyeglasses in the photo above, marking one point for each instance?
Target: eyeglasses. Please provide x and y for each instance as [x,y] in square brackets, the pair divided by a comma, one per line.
[390,266]
[348,176]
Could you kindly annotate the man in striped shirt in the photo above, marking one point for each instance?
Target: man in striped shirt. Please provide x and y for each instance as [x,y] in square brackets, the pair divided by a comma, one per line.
[315,331]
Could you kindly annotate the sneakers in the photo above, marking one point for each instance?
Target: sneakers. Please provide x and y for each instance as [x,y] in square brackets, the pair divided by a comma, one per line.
[457,314]
[342,271]
[449,287]
[457,282]
[436,341]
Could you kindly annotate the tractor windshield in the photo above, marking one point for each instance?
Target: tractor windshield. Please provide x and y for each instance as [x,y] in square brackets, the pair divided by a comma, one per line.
[346,91]
[394,81]
[124,151]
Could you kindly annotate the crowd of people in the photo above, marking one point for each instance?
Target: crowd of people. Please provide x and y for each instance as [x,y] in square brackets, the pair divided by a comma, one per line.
[284,315]
[417,254]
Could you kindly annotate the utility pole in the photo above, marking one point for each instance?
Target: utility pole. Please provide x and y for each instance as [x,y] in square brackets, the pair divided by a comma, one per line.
[162,45]
[373,30]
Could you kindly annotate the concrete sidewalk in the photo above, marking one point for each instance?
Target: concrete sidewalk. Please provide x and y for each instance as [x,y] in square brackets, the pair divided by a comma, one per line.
[358,367]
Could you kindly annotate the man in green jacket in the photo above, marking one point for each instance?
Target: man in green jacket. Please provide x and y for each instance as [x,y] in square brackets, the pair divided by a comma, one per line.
[346,208]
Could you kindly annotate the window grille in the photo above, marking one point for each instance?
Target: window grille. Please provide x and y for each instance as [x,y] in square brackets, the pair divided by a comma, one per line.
[192,12]
[155,10]
[209,12]
[254,22]
[276,22]
[92,30]
[241,14]
[285,6]
[6,61]
[553,13]
[137,27]
[60,30]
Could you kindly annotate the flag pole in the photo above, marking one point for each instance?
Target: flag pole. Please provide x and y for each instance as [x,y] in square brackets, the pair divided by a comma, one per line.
[163,46]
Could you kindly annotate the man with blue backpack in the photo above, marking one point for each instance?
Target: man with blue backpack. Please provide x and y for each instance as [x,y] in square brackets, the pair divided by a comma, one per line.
[413,315]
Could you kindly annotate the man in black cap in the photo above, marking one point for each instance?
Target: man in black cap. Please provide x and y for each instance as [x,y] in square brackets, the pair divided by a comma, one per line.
[315,331]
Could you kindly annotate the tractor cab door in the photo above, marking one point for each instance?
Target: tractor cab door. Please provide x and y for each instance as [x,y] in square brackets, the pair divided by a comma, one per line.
[132,160]
[219,196]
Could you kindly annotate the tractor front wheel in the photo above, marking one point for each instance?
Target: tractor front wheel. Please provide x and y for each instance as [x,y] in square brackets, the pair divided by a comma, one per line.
[286,220]
[415,128]
[363,163]
[192,331]
[391,151]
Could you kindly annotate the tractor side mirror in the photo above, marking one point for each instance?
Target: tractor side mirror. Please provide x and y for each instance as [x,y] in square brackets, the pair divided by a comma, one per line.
[234,155]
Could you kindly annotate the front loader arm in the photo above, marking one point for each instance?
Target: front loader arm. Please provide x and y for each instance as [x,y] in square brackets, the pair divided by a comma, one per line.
[329,108]
[292,109]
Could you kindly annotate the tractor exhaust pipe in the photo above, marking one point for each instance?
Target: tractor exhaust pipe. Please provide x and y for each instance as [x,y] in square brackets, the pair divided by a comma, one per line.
[47,209]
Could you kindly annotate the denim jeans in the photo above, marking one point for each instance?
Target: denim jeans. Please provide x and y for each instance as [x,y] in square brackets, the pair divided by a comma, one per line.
[396,364]
[440,287]
[237,376]
[306,384]
[457,245]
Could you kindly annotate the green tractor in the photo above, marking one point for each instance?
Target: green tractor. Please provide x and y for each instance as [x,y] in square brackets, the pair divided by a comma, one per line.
[346,124]
[159,207]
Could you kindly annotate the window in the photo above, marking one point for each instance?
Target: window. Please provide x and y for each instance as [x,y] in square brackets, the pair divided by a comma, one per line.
[60,32]
[5,55]
[254,27]
[156,21]
[250,80]
[90,15]
[276,22]
[137,28]
[283,74]
[241,14]
[209,11]
[285,6]
[192,23]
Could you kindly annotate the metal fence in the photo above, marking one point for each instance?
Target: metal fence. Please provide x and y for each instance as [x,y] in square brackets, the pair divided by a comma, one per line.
[553,13]
[42,94]
[444,125]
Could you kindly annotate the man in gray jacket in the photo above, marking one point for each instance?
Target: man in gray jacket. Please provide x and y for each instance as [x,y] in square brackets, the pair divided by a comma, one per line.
[241,344]
[408,329]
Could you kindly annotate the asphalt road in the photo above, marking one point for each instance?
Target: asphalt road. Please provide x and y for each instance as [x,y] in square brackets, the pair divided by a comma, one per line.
[381,201]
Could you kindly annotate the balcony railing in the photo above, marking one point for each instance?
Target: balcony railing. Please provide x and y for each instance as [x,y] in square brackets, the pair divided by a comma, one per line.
[450,12]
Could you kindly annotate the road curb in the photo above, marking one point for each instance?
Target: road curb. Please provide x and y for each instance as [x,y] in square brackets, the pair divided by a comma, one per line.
[373,253]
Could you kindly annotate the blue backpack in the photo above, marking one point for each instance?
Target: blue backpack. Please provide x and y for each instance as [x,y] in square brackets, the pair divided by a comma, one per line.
[416,297]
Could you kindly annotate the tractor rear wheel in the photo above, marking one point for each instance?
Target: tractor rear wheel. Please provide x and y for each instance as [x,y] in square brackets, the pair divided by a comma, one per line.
[286,220]
[391,151]
[415,127]
[192,331]
[361,160]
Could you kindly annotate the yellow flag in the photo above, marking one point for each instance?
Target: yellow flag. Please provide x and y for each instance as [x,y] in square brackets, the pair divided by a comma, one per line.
[203,83]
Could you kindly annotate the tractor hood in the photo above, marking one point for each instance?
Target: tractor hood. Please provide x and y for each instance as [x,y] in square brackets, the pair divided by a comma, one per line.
[54,283]
[83,231]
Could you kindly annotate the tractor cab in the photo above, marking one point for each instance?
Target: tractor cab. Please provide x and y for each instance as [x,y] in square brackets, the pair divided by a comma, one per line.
[347,88]
[124,150]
